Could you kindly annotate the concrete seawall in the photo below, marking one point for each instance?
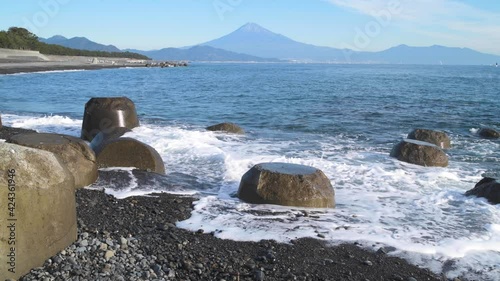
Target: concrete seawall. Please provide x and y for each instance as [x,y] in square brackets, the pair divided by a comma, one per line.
[21,55]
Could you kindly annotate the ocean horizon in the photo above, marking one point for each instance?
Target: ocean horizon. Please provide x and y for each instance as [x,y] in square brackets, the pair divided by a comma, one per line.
[341,119]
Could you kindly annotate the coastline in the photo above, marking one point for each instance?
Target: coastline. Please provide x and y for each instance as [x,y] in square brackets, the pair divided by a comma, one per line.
[136,239]
[23,62]
[29,67]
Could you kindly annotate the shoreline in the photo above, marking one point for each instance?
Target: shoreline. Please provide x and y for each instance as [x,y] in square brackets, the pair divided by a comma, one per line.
[31,67]
[16,61]
[136,239]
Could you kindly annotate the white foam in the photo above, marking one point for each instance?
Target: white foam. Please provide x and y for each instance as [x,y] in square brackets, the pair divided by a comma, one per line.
[419,210]
[46,72]
[46,123]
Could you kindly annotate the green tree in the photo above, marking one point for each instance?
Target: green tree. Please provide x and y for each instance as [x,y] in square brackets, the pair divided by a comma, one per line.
[21,38]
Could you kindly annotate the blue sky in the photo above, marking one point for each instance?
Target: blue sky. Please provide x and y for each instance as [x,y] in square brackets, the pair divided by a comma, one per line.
[368,25]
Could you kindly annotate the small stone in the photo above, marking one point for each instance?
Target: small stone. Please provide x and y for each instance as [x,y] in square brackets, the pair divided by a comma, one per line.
[57,259]
[106,268]
[109,242]
[199,266]
[382,251]
[369,263]
[109,254]
[123,241]
[156,269]
[71,260]
[84,243]
[397,278]
[321,235]
[259,275]
[328,261]
[412,279]
[103,247]
[81,249]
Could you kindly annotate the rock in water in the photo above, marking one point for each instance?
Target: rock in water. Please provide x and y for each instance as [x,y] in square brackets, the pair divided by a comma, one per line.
[489,133]
[288,185]
[74,152]
[38,217]
[227,127]
[107,114]
[440,139]
[420,153]
[128,152]
[487,188]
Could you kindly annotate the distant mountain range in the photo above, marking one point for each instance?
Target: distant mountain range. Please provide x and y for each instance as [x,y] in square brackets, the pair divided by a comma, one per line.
[200,53]
[80,43]
[252,42]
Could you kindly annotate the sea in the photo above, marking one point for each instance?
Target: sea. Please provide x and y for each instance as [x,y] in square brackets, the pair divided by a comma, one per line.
[341,119]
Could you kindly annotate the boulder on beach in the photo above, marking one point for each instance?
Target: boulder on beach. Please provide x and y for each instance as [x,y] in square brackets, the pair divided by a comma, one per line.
[107,114]
[487,188]
[288,185]
[128,152]
[38,216]
[440,139]
[227,127]
[74,153]
[488,133]
[420,153]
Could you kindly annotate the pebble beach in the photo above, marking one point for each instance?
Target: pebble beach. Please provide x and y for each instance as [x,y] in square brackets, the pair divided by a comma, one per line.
[136,239]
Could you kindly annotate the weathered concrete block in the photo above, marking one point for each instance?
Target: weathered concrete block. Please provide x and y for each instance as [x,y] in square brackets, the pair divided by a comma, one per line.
[419,153]
[487,188]
[227,127]
[488,133]
[74,152]
[128,152]
[107,114]
[440,139]
[288,185]
[38,214]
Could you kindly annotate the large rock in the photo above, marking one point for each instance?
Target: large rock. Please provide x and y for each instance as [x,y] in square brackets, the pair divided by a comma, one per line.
[227,127]
[420,153]
[7,132]
[288,185]
[107,114]
[38,210]
[440,139]
[74,152]
[487,188]
[128,152]
[488,133]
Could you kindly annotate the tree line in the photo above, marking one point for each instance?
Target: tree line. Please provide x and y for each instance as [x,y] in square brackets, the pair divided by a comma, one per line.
[21,39]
